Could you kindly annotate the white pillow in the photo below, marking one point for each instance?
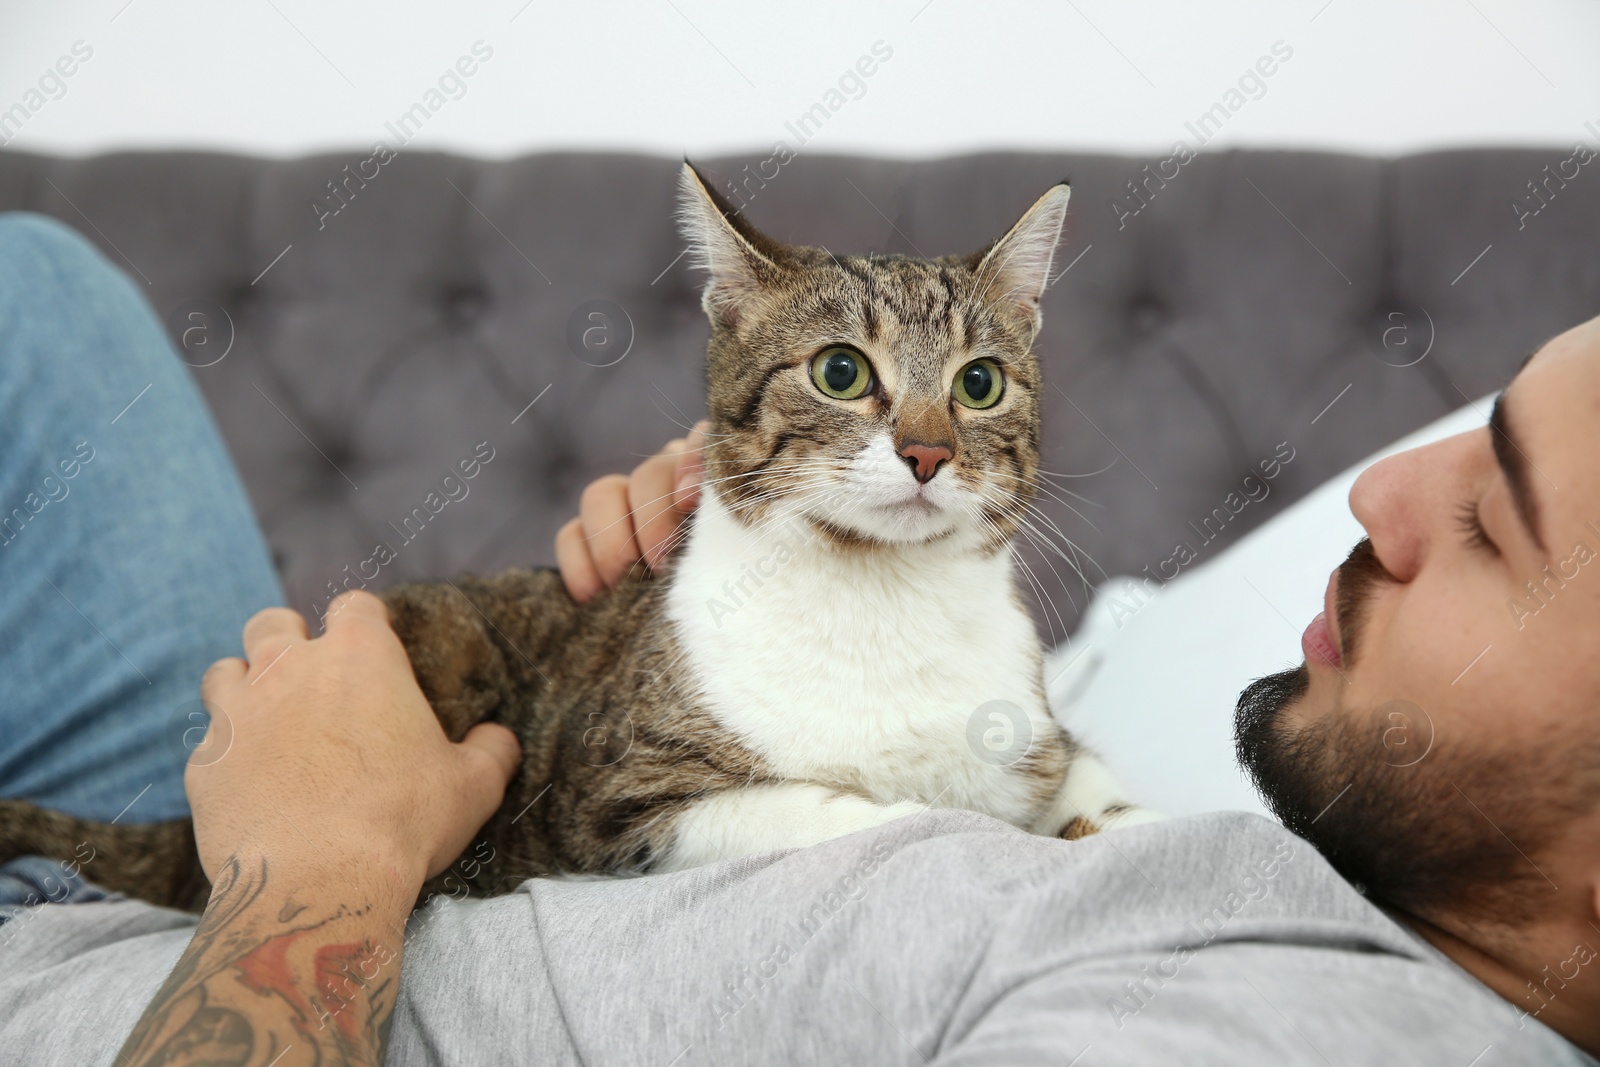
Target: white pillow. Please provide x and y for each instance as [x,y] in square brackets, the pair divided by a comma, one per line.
[1154,692]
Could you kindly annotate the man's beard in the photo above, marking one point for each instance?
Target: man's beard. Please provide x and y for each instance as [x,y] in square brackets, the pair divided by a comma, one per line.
[1425,827]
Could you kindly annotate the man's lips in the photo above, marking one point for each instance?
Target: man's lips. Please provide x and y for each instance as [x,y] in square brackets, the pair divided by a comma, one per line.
[1319,642]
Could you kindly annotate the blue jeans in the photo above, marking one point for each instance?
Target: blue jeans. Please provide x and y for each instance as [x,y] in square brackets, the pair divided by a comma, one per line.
[129,556]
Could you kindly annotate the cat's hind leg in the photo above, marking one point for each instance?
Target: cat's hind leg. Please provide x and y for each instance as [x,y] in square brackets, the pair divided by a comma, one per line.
[155,861]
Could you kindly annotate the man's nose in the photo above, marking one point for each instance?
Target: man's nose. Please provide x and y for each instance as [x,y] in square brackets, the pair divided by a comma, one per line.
[925,459]
[1404,501]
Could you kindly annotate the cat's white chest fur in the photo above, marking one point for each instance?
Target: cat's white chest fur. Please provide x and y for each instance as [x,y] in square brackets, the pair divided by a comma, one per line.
[864,667]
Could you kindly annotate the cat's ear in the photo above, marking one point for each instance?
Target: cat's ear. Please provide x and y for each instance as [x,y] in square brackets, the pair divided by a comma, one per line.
[741,260]
[1015,270]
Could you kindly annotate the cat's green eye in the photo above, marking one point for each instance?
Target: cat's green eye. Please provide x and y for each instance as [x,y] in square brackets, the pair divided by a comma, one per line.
[842,373]
[979,384]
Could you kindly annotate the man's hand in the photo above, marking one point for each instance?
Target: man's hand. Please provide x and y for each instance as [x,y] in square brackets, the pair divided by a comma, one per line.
[627,518]
[333,796]
[334,748]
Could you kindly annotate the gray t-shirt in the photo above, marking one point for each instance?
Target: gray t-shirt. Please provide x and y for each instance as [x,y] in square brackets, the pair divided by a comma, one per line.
[944,938]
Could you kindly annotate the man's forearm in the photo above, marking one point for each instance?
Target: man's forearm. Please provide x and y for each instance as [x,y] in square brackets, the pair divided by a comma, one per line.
[288,966]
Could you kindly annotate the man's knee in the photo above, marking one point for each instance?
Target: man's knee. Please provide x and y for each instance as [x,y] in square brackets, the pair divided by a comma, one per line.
[55,286]
[32,238]
[42,258]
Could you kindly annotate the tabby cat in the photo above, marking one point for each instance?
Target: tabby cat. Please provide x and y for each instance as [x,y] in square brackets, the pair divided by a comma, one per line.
[836,642]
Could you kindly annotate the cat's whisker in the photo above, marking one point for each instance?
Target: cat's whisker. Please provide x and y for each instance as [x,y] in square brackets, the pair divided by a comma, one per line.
[1045,517]
[1011,503]
[1045,603]
[800,465]
[763,524]
[1074,562]
[773,492]
[636,506]
[1039,481]
[1088,591]
[1050,495]
[1080,497]
[1048,605]
[1090,474]
[754,502]
[1062,582]
[688,425]
[1045,485]
[1045,541]
[1039,541]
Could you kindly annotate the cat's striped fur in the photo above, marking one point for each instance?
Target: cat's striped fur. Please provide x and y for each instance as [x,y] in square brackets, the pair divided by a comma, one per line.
[834,638]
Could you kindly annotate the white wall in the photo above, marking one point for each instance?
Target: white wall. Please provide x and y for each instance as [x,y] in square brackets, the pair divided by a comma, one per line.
[701,76]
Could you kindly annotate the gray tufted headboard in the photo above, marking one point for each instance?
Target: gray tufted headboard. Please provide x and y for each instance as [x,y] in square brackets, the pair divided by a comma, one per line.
[1197,325]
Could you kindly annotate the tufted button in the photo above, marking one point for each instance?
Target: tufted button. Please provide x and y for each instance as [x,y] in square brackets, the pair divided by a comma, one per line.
[1147,314]
[240,298]
[335,467]
[461,304]
[558,468]
[337,449]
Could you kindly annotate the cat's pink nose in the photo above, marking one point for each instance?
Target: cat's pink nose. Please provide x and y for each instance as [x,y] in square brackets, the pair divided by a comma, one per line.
[924,460]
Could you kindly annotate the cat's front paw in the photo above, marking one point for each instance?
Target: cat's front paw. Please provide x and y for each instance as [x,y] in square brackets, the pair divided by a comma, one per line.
[846,815]
[1115,817]
[888,813]
[739,822]
[1131,816]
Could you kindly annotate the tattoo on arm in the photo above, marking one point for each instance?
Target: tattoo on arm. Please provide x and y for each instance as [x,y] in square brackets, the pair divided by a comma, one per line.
[269,982]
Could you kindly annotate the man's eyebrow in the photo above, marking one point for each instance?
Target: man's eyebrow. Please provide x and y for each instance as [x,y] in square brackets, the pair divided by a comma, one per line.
[1514,464]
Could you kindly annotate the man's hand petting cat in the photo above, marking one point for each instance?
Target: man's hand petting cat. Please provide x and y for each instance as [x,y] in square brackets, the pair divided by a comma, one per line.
[623,519]
[333,757]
